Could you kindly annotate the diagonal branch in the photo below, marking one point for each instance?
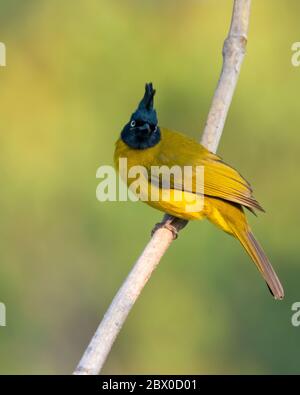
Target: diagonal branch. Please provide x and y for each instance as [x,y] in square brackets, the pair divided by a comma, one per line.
[233,53]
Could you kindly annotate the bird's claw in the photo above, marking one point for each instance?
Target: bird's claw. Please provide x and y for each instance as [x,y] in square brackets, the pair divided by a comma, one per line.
[166,225]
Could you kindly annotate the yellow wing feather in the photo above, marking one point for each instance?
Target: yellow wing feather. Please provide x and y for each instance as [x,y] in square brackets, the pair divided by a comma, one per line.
[220,180]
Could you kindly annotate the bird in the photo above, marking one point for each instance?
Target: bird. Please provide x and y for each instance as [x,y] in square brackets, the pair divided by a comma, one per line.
[225,193]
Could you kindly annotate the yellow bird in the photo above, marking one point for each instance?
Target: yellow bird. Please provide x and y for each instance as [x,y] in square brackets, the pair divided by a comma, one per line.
[224,192]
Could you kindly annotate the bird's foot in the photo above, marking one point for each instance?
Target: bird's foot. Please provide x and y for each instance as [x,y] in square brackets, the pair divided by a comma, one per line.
[166,224]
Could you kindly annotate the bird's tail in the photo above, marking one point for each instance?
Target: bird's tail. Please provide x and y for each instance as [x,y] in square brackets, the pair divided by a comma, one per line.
[262,262]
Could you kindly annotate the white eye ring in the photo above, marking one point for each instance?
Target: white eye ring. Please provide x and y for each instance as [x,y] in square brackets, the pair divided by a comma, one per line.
[132,124]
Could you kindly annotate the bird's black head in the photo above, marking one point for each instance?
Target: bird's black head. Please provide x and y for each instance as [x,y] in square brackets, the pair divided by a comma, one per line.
[142,130]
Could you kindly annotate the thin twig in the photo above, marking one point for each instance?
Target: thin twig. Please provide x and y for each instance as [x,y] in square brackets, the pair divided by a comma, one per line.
[233,53]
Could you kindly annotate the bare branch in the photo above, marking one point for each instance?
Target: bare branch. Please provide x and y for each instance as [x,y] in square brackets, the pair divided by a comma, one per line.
[233,53]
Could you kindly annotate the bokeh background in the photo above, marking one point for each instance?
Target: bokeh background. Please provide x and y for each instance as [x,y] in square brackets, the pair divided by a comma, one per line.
[75,72]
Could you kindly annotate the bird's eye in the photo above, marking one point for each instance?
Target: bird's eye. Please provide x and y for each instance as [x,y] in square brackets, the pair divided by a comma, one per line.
[132,124]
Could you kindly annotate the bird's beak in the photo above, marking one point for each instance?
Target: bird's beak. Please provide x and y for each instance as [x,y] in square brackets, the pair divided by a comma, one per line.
[145,128]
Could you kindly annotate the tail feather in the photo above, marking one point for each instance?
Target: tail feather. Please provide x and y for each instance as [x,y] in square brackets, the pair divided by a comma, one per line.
[262,262]
[231,218]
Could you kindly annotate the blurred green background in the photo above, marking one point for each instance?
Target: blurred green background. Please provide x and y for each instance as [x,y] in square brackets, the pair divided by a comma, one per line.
[75,72]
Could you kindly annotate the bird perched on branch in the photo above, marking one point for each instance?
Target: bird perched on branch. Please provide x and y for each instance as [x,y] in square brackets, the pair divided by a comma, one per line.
[224,191]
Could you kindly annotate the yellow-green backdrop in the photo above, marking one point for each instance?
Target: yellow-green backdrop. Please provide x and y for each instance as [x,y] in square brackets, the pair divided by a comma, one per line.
[75,72]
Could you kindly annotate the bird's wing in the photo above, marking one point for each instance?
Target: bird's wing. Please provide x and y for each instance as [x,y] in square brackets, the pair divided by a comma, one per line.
[220,180]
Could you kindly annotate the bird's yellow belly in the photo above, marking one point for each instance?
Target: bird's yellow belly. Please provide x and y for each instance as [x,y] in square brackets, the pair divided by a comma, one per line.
[176,209]
[181,204]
